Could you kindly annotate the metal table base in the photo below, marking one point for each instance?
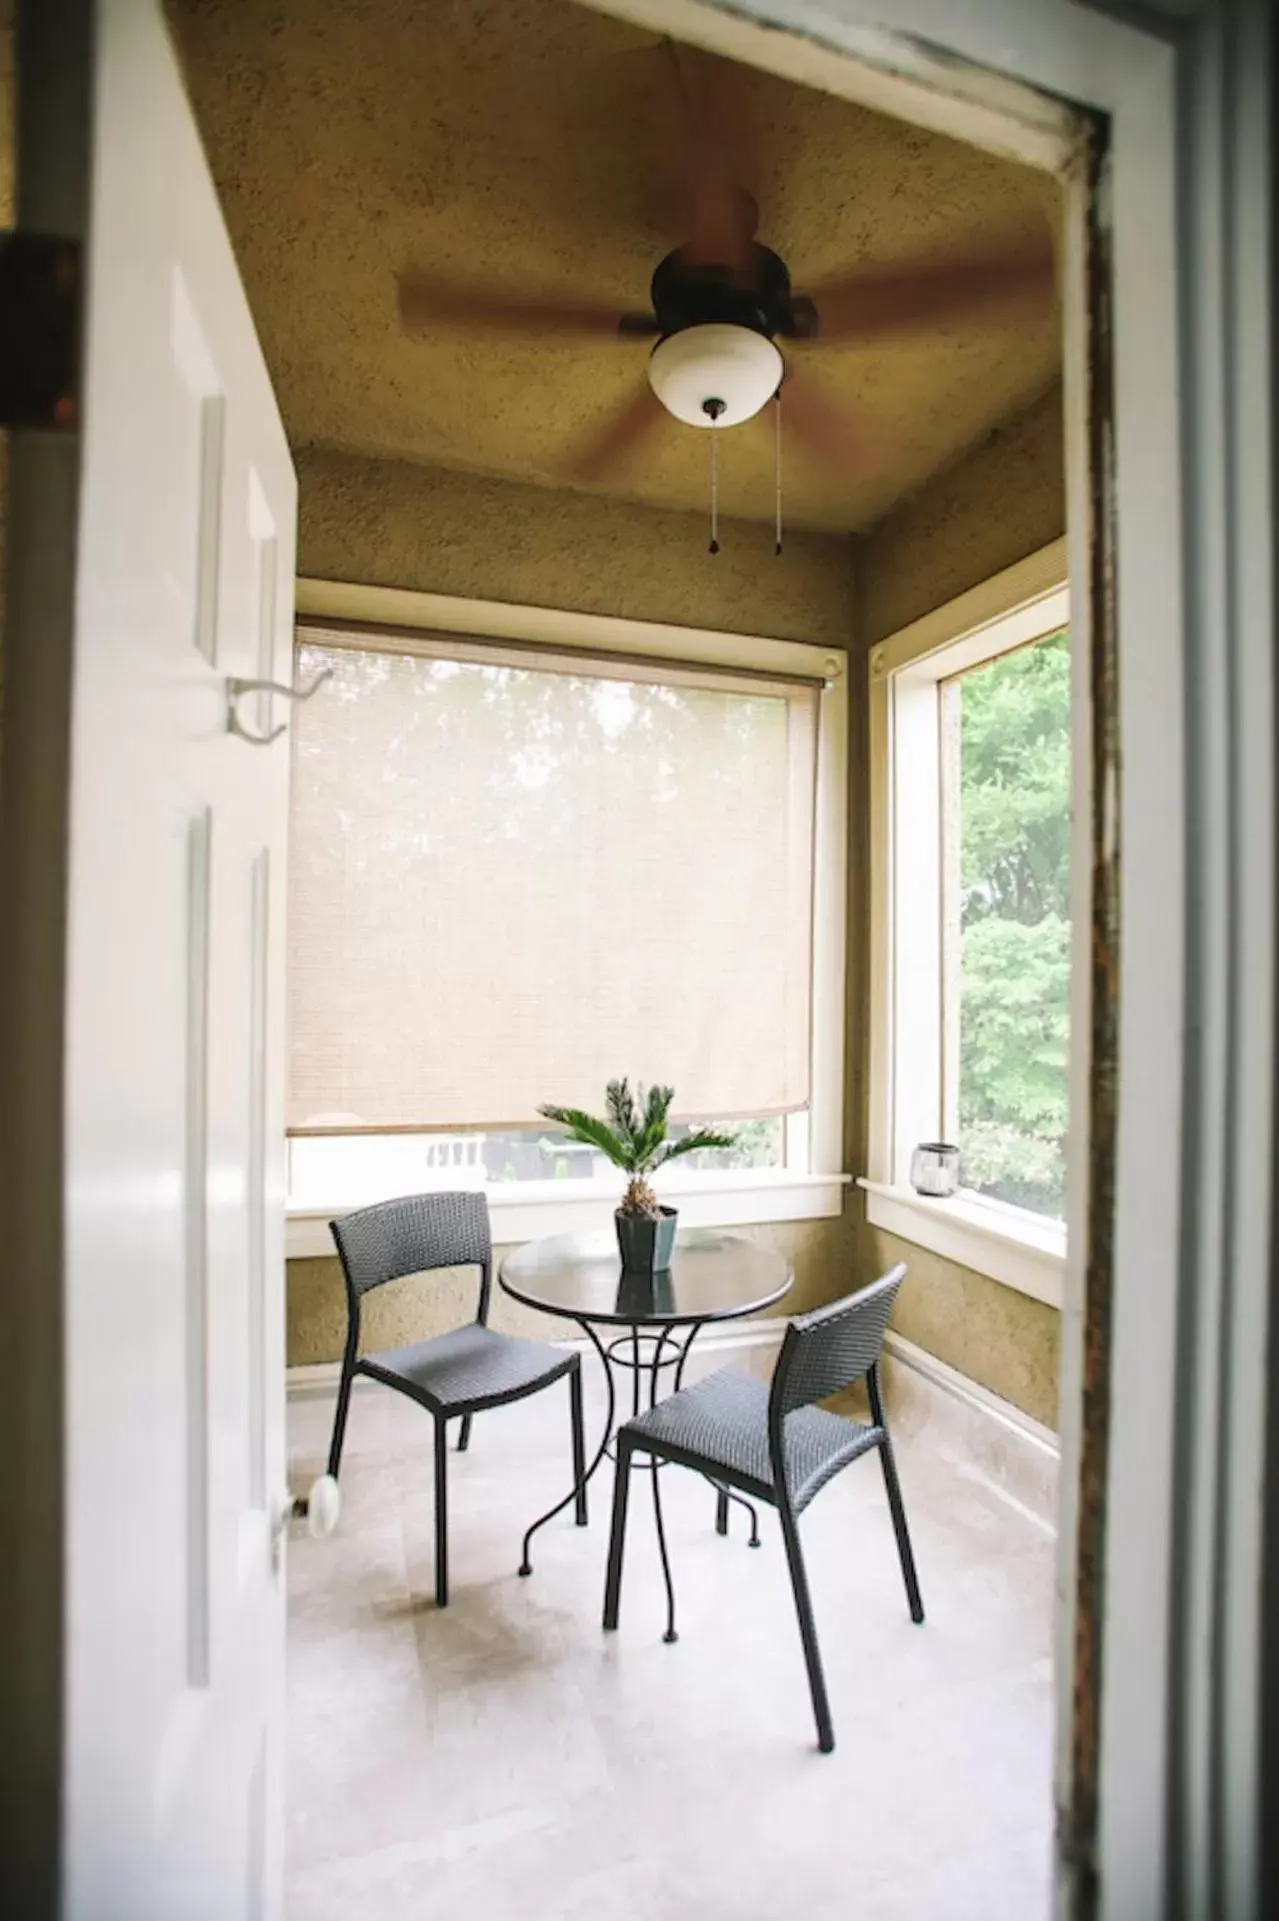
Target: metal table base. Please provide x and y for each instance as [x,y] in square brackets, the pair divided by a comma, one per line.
[642,1353]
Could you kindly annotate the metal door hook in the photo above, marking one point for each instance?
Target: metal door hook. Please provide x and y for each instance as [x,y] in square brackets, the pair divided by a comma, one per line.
[236,688]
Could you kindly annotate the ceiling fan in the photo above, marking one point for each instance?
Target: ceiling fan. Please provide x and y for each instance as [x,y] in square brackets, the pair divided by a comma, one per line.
[721,300]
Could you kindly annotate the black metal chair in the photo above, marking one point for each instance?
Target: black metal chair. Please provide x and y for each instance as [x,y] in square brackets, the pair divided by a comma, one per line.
[774,1444]
[456,1374]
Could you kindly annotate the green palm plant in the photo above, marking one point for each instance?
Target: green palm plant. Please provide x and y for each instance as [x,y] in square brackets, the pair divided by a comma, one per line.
[634,1138]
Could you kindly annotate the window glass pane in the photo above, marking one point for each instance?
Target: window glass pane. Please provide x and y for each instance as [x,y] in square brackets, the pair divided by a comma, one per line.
[1006,774]
[760,1143]
[351,1169]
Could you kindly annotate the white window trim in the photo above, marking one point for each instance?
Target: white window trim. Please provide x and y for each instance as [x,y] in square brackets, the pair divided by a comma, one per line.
[1009,1244]
[813,1190]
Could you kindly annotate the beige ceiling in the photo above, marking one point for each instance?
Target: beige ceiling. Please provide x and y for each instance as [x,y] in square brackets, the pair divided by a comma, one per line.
[513,140]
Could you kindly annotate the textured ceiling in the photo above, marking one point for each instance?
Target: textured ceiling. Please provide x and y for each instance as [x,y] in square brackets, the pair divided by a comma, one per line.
[513,140]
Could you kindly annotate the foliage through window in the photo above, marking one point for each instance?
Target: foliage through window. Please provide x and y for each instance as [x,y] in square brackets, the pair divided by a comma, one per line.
[1006,972]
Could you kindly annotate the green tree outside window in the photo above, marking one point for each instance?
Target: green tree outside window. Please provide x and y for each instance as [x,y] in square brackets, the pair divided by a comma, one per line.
[1014,923]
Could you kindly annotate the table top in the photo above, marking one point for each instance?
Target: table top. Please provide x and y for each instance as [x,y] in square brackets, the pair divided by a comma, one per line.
[713,1276]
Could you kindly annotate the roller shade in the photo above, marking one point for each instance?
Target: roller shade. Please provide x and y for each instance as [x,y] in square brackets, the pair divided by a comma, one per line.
[516,875]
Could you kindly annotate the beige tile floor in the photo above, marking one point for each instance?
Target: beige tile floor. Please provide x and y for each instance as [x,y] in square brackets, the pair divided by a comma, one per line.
[505,1760]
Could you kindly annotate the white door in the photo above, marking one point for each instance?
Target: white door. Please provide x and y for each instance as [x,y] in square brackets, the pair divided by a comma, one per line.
[174,1128]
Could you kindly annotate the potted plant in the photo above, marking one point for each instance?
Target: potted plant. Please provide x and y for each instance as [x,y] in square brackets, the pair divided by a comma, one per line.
[634,1138]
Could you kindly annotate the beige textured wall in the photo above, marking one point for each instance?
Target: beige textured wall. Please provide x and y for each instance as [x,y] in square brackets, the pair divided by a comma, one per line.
[1004,501]
[991,1333]
[821,1253]
[389,523]
[395,524]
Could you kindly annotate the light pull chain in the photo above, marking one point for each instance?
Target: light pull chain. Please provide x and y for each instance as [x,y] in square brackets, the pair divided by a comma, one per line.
[713,408]
[777,464]
[714,436]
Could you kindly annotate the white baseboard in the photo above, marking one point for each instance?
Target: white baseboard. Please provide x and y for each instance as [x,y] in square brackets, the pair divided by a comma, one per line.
[972,1394]
[985,1439]
[314,1377]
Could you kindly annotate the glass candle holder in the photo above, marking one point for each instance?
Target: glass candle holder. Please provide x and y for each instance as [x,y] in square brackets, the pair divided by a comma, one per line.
[934,1169]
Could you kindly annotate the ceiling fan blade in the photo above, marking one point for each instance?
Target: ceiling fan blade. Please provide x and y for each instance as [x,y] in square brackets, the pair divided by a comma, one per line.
[621,436]
[424,300]
[1008,273]
[852,448]
[709,206]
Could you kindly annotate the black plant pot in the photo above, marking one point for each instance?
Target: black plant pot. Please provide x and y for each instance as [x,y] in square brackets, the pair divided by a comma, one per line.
[645,1245]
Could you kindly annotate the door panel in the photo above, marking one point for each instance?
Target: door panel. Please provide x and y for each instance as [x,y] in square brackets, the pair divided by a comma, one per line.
[174,1132]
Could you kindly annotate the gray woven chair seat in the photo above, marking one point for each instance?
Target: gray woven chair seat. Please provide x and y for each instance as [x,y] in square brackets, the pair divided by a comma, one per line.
[470,1367]
[721,1428]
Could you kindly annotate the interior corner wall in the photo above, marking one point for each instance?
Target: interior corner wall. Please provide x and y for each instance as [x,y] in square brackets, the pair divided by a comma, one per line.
[1005,500]
[396,524]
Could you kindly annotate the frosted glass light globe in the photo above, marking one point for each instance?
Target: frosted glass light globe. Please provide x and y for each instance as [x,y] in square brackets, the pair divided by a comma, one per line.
[715,375]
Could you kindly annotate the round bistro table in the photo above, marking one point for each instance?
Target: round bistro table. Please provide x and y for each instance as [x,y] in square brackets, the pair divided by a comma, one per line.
[644,1325]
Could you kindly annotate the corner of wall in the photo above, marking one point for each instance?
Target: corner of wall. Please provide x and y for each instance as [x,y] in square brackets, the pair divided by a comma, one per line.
[1000,502]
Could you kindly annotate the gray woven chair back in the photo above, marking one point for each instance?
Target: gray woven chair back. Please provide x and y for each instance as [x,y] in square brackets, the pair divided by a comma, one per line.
[409,1236]
[834,1346]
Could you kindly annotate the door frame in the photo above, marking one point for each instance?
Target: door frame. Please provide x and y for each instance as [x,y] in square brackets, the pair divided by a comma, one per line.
[1179,1588]
[52,65]
[1166,1321]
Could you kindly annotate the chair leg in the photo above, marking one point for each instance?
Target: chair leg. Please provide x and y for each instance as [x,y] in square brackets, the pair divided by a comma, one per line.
[340,1413]
[896,1507]
[579,1447]
[441,1515]
[617,1535]
[464,1438]
[723,1495]
[807,1628]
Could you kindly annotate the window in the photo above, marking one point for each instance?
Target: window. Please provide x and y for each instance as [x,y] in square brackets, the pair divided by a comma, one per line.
[1006,934]
[518,870]
[970,803]
[362,1167]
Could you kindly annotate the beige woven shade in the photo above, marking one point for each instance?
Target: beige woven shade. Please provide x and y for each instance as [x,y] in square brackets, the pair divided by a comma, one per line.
[515,876]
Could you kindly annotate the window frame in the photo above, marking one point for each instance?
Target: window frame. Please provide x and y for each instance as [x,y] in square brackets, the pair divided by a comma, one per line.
[1024,603]
[811,1184]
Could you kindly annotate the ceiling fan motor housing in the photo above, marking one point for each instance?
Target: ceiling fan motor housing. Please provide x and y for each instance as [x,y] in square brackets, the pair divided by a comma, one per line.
[689,293]
[716,363]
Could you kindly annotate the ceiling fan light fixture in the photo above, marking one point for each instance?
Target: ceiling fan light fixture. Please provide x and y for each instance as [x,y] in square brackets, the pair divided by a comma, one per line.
[715,375]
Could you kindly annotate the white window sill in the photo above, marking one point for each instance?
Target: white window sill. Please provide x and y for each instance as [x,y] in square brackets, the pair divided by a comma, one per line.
[526,1211]
[1015,1248]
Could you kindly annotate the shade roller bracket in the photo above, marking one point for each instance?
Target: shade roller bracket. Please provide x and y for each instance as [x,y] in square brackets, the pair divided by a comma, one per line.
[236,688]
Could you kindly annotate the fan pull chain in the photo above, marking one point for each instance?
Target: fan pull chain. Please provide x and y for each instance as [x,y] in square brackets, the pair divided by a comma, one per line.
[714,547]
[777,464]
